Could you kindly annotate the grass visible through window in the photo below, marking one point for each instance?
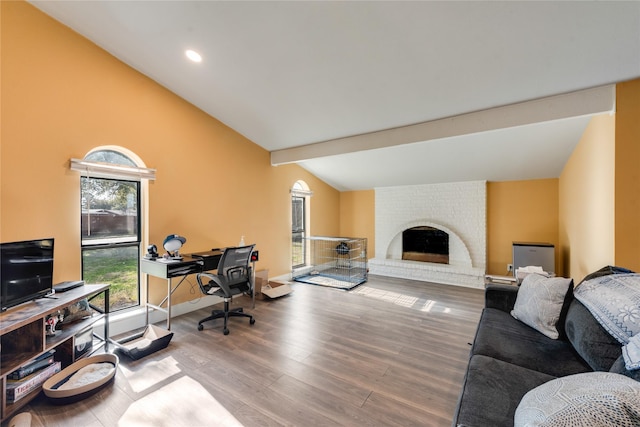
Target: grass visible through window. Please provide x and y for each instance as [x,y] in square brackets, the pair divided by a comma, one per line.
[117,267]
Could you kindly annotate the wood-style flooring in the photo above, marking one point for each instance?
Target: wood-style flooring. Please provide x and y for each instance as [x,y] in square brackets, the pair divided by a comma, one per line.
[391,352]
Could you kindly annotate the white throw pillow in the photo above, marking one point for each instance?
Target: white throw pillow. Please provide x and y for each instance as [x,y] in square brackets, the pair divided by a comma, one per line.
[587,399]
[539,302]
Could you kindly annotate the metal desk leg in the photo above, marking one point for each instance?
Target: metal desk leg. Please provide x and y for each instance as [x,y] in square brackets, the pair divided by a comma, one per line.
[147,302]
[106,320]
[253,285]
[169,292]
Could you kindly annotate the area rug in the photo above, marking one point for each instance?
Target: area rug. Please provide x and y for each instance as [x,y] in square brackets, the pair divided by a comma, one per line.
[326,281]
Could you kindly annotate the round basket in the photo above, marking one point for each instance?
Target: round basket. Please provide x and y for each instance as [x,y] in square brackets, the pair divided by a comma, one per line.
[63,397]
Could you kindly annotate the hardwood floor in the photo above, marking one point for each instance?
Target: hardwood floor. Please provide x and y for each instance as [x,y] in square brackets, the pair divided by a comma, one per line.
[391,352]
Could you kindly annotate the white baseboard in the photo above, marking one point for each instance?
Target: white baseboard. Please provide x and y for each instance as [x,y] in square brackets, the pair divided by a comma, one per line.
[130,320]
[283,277]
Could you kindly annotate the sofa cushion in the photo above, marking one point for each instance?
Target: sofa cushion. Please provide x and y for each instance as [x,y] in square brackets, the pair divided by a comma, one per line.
[539,302]
[501,336]
[492,391]
[499,296]
[588,399]
[592,342]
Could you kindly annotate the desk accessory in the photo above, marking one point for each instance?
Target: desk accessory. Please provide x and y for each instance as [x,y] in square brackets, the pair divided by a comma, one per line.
[172,244]
[152,252]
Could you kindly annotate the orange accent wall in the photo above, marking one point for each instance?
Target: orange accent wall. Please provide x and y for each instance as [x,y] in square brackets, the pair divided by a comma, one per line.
[627,175]
[63,96]
[587,185]
[357,217]
[520,211]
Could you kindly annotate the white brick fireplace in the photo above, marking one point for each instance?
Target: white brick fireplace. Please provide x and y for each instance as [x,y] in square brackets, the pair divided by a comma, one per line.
[460,209]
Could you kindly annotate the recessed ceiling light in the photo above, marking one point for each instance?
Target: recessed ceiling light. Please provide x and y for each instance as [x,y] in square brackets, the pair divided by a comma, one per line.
[193,55]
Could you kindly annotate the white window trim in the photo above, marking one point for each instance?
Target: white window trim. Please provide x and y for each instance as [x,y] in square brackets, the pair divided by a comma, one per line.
[109,170]
[301,193]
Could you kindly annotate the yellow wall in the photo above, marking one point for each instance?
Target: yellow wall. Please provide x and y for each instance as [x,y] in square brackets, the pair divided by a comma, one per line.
[587,200]
[357,217]
[520,211]
[62,96]
[627,175]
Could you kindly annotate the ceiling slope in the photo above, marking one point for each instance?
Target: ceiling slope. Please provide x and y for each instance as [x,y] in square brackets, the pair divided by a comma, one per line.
[290,74]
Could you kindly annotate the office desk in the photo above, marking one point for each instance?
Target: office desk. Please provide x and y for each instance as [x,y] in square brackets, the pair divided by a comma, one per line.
[190,264]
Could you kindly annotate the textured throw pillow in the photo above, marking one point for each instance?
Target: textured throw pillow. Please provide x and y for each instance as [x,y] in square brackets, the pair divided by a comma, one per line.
[587,399]
[539,302]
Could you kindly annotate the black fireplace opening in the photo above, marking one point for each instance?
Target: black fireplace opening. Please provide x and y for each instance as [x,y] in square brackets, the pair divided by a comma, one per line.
[427,244]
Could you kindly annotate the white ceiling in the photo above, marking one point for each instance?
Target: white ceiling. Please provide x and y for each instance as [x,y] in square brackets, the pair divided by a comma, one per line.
[289,74]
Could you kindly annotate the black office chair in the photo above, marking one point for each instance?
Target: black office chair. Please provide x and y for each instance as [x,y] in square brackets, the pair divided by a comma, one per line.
[233,278]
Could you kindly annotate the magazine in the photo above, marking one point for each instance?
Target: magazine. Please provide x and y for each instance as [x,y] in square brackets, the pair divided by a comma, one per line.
[17,389]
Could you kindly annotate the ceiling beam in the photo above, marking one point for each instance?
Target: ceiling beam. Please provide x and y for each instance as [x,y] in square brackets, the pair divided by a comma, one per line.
[596,100]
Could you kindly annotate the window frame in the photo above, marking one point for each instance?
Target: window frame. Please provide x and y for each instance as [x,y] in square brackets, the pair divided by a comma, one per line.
[300,190]
[298,232]
[135,172]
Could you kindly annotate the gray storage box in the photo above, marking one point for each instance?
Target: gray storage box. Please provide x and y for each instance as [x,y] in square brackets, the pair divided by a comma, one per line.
[534,254]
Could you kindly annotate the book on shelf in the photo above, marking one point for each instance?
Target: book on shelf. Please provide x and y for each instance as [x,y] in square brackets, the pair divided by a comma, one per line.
[38,363]
[17,389]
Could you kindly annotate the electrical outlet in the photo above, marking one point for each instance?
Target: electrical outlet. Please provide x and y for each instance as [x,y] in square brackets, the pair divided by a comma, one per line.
[510,268]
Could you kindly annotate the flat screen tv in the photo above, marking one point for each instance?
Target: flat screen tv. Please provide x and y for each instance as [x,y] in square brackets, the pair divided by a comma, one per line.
[26,271]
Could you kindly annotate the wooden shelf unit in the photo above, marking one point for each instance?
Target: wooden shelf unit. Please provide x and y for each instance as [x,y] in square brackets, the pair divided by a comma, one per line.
[23,336]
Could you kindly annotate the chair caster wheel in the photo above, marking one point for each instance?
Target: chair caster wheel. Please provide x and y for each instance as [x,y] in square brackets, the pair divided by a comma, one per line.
[252,321]
[200,327]
[226,332]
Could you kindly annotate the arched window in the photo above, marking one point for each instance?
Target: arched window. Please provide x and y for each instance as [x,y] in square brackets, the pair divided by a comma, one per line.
[111,188]
[300,195]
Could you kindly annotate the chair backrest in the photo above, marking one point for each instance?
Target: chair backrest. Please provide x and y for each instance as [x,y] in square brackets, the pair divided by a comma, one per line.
[234,262]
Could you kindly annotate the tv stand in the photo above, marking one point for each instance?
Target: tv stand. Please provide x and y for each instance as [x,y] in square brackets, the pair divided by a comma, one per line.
[23,336]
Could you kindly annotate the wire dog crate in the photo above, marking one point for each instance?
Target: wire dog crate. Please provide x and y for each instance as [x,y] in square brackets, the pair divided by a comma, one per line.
[338,262]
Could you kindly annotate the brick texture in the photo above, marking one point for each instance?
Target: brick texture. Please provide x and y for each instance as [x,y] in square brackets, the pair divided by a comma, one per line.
[460,209]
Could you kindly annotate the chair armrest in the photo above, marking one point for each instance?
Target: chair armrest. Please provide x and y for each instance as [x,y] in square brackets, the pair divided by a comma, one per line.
[502,297]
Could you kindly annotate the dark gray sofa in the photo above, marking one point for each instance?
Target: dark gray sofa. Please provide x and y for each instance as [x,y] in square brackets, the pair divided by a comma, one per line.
[509,358]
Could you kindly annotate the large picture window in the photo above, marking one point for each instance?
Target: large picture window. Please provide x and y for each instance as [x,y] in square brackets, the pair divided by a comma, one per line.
[111,229]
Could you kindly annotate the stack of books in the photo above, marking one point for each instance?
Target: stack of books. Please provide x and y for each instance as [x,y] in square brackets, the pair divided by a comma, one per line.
[29,377]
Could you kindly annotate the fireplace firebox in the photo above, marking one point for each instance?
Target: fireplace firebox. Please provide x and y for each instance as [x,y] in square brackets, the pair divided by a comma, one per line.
[426,244]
